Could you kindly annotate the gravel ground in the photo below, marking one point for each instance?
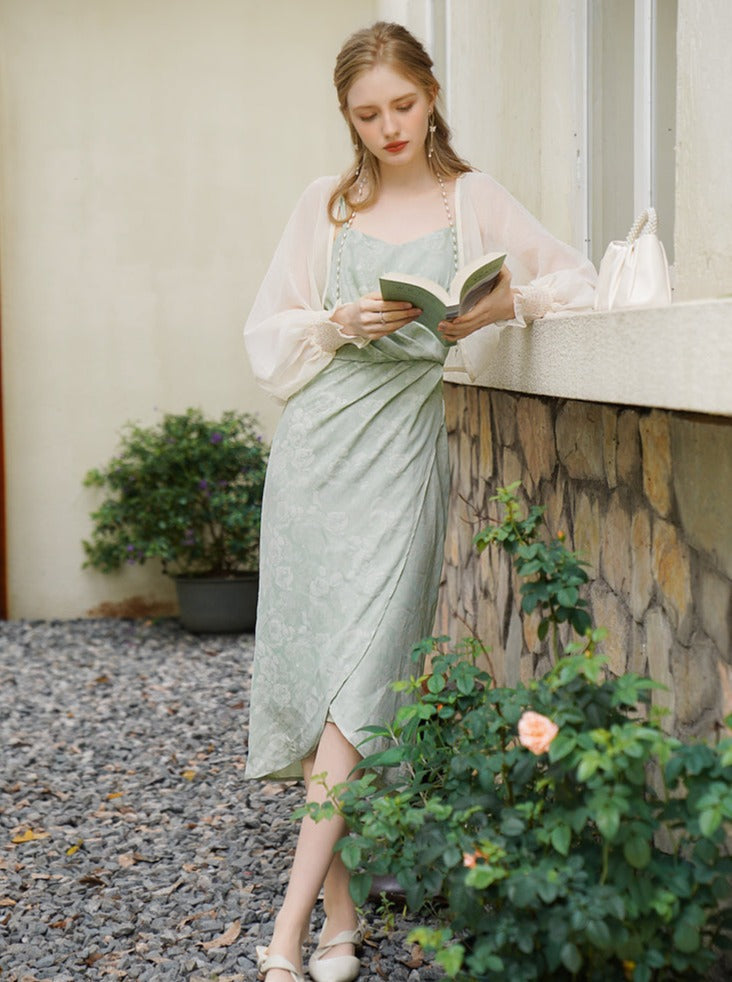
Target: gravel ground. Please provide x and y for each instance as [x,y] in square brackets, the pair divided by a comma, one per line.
[130,845]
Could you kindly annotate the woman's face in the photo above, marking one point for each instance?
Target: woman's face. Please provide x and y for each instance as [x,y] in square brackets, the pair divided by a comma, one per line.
[391,115]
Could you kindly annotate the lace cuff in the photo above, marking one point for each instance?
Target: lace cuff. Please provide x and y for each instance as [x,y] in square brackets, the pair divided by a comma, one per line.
[532,302]
[329,337]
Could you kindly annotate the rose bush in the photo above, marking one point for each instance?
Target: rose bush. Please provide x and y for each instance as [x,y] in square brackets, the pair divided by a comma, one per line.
[553,830]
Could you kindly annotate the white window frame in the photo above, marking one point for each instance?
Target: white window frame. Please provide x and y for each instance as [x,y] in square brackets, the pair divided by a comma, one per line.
[645,101]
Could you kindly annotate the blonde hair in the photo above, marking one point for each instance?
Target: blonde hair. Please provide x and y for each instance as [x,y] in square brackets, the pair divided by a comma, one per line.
[393,45]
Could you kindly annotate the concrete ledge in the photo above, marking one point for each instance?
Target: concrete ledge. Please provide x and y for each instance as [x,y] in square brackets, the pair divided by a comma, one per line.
[676,357]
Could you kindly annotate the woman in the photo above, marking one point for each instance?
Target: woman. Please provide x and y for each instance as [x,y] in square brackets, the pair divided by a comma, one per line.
[354,517]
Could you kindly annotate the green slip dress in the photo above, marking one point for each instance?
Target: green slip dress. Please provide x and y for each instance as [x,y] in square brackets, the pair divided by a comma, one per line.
[353,524]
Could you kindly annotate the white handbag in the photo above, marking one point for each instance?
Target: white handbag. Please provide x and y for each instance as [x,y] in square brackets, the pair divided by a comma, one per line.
[634,273]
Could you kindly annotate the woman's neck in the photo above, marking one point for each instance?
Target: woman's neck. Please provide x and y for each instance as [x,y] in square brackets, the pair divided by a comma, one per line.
[414,179]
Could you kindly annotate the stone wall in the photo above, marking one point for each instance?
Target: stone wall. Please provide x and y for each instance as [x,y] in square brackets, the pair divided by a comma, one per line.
[643,495]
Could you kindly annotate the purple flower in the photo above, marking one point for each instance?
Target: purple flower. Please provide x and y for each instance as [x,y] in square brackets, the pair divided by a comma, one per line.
[216,437]
[202,485]
[130,547]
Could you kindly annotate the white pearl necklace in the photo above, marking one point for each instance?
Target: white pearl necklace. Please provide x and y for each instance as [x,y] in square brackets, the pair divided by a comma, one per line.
[347,225]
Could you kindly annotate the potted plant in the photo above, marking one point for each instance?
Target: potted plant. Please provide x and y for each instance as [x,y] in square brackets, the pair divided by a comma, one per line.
[187,491]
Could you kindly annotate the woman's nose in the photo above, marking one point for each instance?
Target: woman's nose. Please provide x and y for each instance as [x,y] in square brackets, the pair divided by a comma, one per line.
[390,124]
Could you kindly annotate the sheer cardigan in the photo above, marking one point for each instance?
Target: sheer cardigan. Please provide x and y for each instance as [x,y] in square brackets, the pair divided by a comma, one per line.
[290,337]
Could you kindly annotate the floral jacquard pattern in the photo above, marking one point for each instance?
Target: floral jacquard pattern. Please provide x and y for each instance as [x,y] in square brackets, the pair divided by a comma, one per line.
[353,525]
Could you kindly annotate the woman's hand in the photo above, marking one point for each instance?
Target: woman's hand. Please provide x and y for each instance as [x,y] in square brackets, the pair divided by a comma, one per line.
[373,318]
[495,306]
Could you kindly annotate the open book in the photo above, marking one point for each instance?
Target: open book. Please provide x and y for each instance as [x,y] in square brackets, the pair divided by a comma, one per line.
[469,285]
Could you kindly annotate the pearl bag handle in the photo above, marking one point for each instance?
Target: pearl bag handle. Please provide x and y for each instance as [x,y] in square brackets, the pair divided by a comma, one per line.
[646,222]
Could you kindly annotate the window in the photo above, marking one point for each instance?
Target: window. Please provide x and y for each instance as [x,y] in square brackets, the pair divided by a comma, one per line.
[631,125]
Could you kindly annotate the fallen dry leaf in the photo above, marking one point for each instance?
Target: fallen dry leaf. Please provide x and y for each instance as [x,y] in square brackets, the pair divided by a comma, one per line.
[92,880]
[114,794]
[194,917]
[7,902]
[126,860]
[75,848]
[64,923]
[166,891]
[417,958]
[189,775]
[30,835]
[224,940]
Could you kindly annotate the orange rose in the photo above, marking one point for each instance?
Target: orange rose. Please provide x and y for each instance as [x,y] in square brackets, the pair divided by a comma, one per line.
[536,732]
[469,859]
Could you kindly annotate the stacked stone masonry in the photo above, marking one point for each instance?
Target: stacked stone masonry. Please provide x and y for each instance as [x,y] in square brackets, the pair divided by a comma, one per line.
[643,495]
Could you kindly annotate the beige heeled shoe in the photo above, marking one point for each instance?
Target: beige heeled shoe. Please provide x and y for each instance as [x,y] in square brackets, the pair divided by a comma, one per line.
[266,962]
[341,968]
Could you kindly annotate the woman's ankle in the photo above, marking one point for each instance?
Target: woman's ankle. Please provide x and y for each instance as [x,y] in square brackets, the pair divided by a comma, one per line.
[290,929]
[341,914]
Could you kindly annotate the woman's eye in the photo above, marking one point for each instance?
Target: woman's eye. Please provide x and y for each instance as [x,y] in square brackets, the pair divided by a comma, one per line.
[367,119]
[405,109]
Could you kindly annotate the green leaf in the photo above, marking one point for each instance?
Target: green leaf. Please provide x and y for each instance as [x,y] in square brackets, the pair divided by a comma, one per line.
[568,597]
[598,933]
[351,854]
[512,825]
[385,758]
[359,887]
[560,838]
[451,856]
[709,821]
[451,959]
[608,820]
[571,957]
[580,621]
[548,891]
[686,937]
[562,745]
[436,683]
[482,876]
[637,851]
[588,765]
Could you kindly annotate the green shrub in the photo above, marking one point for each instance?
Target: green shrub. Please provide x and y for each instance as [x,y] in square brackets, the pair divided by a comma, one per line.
[187,491]
[592,848]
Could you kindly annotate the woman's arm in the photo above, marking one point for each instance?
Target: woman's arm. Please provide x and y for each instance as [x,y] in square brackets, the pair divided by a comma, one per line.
[288,335]
[547,275]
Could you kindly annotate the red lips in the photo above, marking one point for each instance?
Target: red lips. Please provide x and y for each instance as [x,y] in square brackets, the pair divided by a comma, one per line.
[396,147]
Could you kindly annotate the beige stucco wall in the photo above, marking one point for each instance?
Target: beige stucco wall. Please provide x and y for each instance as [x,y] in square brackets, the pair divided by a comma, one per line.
[514,88]
[703,235]
[151,153]
[517,92]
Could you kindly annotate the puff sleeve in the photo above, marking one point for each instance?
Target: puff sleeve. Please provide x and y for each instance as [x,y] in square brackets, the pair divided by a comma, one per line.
[289,336]
[548,275]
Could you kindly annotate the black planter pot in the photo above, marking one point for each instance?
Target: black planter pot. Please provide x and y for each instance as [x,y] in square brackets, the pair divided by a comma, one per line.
[218,604]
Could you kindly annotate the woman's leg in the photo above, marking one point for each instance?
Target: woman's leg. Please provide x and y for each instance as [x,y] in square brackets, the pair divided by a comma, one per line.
[314,855]
[339,907]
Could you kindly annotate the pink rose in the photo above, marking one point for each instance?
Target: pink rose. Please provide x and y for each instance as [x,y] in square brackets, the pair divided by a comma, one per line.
[536,732]
[470,859]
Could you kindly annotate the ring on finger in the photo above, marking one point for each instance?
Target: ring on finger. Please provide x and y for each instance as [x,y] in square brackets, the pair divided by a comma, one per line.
[383,321]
